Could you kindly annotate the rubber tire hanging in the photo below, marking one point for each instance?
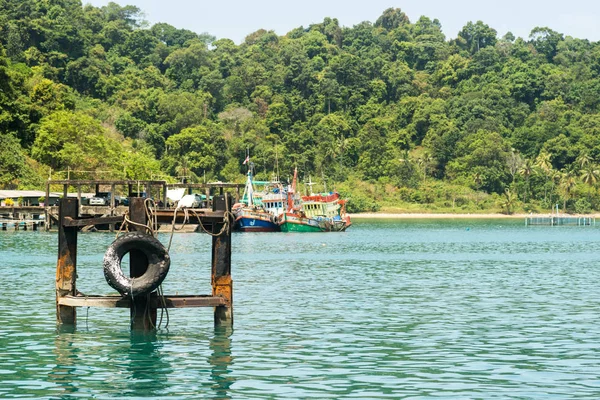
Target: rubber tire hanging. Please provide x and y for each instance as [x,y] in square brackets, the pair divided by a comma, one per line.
[158,264]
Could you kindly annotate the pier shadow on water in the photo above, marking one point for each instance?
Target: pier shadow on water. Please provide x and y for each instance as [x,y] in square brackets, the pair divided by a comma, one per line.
[143,365]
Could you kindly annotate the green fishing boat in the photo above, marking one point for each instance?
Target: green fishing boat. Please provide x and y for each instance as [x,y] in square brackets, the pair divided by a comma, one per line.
[324,212]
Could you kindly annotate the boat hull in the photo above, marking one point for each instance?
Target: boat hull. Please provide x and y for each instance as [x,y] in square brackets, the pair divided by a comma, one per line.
[253,224]
[295,223]
[299,226]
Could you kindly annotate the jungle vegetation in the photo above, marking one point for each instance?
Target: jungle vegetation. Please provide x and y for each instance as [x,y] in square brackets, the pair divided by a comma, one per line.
[391,113]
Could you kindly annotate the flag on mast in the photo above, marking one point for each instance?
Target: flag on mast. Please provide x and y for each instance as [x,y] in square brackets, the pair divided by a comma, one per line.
[246,160]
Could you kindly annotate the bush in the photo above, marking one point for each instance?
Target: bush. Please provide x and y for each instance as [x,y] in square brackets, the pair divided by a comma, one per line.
[582,206]
[360,203]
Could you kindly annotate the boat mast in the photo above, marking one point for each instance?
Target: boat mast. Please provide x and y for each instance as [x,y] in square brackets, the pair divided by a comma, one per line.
[292,191]
[310,185]
[248,190]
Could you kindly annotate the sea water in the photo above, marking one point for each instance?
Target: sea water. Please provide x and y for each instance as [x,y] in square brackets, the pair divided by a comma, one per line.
[485,309]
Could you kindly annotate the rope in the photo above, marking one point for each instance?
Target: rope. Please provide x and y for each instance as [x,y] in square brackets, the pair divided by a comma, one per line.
[151,228]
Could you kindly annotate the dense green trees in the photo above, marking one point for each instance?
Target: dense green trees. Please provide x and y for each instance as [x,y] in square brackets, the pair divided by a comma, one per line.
[389,111]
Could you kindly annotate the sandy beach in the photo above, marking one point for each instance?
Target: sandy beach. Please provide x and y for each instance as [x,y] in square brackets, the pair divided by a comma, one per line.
[455,216]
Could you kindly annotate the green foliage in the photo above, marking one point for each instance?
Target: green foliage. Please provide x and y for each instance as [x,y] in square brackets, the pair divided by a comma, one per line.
[390,107]
[12,161]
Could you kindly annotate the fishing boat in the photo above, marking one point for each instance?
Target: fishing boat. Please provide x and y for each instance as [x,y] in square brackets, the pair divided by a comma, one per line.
[257,211]
[315,213]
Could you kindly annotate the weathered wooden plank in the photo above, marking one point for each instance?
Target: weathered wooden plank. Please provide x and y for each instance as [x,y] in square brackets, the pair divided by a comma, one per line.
[206,185]
[103,182]
[68,221]
[143,314]
[176,301]
[66,267]
[222,284]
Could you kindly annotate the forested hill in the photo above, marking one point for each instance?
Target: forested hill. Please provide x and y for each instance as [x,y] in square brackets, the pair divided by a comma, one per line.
[388,112]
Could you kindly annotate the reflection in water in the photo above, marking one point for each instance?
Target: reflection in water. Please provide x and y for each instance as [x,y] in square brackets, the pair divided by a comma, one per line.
[221,362]
[140,365]
[148,369]
[134,368]
[63,373]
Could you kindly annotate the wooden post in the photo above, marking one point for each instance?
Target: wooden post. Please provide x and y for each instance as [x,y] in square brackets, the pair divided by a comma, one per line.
[208,202]
[66,267]
[138,263]
[164,195]
[111,227]
[47,221]
[222,285]
[79,199]
[65,191]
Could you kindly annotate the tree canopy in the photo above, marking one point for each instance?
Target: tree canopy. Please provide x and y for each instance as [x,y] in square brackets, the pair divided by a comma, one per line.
[391,104]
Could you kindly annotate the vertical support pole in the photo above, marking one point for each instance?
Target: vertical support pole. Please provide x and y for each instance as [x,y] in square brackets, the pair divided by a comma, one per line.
[66,267]
[129,190]
[111,227]
[222,285]
[208,202]
[65,191]
[79,200]
[164,194]
[47,221]
[141,307]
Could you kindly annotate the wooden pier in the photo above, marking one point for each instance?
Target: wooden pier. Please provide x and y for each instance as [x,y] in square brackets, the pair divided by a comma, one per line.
[25,225]
[156,190]
[555,220]
[143,309]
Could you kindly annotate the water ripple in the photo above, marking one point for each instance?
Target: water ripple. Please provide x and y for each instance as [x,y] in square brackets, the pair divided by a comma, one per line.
[419,309]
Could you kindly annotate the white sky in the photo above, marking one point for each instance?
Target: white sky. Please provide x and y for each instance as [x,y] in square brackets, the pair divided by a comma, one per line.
[234,19]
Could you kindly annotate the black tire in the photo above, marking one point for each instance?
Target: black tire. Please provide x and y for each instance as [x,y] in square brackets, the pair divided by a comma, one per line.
[158,264]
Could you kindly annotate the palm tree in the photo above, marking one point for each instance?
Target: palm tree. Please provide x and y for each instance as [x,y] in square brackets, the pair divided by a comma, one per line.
[514,161]
[543,161]
[583,160]
[567,184]
[425,161]
[406,160]
[509,201]
[544,164]
[527,170]
[589,176]
[184,172]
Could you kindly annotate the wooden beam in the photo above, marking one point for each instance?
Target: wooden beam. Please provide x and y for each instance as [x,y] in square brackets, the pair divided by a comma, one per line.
[66,266]
[68,221]
[102,182]
[143,314]
[222,284]
[206,185]
[48,223]
[175,301]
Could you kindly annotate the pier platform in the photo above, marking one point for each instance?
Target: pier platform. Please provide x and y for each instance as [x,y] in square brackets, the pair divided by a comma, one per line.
[560,221]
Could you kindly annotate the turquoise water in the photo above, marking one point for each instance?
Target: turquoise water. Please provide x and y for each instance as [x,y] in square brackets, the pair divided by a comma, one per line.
[390,309]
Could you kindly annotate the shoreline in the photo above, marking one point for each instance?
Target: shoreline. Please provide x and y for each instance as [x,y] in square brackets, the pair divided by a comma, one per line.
[457,216]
